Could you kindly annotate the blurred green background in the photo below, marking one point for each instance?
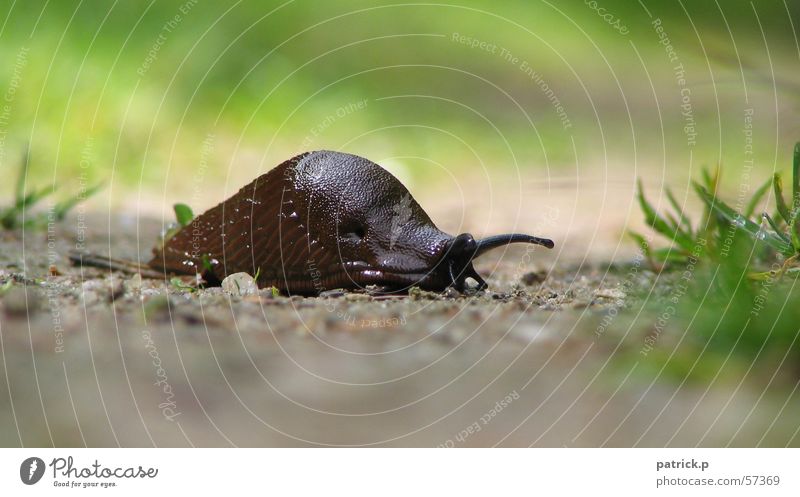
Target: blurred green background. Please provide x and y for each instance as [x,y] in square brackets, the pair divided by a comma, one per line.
[527,115]
[160,98]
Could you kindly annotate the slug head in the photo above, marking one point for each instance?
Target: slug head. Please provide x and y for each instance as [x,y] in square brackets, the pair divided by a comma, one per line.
[460,252]
[376,231]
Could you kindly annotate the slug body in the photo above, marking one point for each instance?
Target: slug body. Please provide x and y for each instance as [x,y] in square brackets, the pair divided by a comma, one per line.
[325,220]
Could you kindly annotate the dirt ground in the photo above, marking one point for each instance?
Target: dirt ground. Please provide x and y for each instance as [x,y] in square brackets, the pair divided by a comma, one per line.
[98,359]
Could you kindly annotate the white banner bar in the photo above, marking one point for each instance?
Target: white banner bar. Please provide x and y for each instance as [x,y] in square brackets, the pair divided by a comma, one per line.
[400,472]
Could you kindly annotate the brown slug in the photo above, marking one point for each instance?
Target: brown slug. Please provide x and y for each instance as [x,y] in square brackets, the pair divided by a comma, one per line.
[325,220]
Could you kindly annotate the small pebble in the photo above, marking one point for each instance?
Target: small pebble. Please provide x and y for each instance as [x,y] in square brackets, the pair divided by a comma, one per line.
[332,294]
[117,289]
[240,284]
[610,293]
[451,293]
[134,284]
[534,277]
[269,292]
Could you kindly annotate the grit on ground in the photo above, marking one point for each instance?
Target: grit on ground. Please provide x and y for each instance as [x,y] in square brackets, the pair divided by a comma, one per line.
[543,358]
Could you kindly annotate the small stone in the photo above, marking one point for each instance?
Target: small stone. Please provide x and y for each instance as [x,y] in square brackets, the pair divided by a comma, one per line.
[332,294]
[116,289]
[376,290]
[240,284]
[610,293]
[89,292]
[134,284]
[269,292]
[96,291]
[450,293]
[534,277]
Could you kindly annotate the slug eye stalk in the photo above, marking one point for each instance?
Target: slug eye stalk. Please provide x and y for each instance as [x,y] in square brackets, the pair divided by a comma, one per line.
[500,240]
[464,249]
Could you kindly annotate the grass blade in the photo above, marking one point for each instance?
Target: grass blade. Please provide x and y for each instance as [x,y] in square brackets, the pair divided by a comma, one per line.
[678,209]
[796,177]
[711,179]
[795,225]
[786,214]
[62,208]
[707,182]
[645,246]
[709,222]
[32,198]
[670,255]
[777,229]
[757,196]
[737,220]
[642,241]
[658,223]
[780,202]
[179,284]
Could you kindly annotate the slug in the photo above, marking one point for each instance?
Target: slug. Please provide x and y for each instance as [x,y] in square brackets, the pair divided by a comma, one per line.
[319,221]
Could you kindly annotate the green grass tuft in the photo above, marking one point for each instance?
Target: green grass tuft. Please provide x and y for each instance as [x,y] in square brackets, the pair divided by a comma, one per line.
[779,235]
[19,215]
[737,278]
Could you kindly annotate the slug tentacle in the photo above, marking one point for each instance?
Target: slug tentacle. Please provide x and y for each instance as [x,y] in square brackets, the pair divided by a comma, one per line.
[461,251]
[500,240]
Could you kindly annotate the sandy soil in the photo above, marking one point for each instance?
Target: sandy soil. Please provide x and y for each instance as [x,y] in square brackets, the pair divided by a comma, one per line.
[99,359]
